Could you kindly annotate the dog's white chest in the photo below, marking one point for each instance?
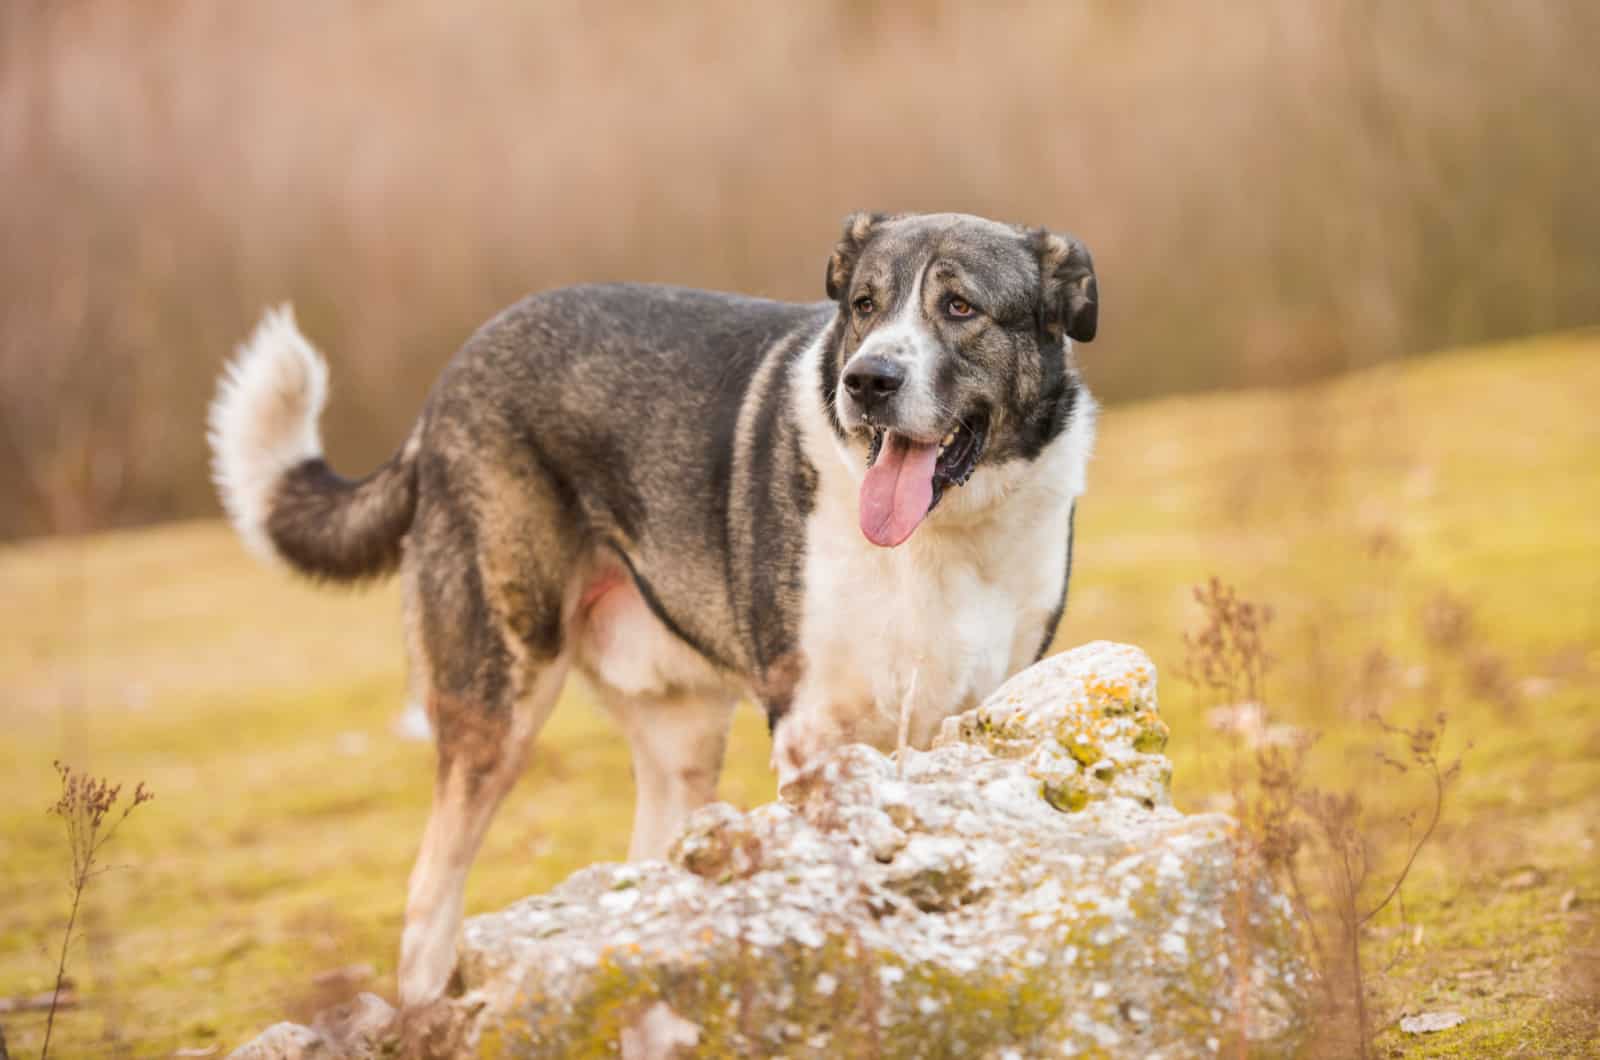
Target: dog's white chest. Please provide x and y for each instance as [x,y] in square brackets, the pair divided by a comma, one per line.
[935,625]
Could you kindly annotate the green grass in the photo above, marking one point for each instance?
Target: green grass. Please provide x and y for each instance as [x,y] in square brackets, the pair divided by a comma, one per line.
[287,811]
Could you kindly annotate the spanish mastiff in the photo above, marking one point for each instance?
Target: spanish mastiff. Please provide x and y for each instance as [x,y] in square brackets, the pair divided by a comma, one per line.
[842,510]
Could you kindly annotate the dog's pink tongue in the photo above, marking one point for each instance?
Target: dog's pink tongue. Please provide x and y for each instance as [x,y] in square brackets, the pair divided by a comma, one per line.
[897,490]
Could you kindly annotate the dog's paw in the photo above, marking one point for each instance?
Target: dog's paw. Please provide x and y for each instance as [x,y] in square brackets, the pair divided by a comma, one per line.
[801,739]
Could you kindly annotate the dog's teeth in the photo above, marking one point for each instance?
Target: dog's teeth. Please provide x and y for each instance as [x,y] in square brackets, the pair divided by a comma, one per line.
[949,437]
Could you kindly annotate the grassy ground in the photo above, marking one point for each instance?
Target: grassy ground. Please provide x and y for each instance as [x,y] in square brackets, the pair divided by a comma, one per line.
[1363,510]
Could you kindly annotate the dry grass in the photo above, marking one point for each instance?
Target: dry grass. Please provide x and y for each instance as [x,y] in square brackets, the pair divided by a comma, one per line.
[1272,190]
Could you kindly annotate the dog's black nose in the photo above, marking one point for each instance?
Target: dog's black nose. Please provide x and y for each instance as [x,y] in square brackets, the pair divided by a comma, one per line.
[873,380]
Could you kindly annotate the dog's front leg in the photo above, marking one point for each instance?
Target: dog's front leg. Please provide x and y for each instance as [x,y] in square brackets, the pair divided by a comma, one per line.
[677,745]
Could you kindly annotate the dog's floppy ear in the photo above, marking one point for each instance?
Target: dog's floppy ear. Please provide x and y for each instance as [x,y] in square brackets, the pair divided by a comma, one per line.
[1069,295]
[857,229]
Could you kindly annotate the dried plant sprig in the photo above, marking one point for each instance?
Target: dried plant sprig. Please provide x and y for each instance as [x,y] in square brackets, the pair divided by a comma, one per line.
[1287,822]
[86,804]
[1228,653]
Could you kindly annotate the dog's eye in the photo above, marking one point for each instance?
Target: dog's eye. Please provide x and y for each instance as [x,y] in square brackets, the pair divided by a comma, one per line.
[864,305]
[959,307]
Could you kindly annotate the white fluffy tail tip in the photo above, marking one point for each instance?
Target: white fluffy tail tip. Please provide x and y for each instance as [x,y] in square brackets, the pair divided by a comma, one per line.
[263,421]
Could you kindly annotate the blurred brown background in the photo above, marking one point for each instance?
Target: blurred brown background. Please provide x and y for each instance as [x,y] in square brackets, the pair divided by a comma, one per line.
[1273,191]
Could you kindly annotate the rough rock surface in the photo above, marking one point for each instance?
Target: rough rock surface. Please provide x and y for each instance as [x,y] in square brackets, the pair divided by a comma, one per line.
[1024,888]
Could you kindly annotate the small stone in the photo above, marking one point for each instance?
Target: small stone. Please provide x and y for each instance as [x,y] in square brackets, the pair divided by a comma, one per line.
[658,1034]
[1431,1022]
[357,1025]
[1569,901]
[413,724]
[1537,687]
[349,974]
[285,1041]
[1524,879]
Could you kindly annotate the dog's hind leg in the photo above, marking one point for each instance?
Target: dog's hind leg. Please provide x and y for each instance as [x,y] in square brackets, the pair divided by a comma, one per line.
[486,606]
[677,745]
[481,754]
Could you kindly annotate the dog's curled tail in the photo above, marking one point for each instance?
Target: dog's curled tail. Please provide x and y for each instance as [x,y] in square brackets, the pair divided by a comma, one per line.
[266,458]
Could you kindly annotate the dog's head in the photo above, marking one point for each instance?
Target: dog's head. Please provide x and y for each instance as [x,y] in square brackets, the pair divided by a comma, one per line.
[950,352]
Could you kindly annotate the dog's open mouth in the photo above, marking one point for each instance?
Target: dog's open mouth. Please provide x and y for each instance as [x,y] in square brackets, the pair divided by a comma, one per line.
[906,478]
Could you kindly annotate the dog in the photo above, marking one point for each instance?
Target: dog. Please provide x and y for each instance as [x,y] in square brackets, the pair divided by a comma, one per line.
[857,512]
